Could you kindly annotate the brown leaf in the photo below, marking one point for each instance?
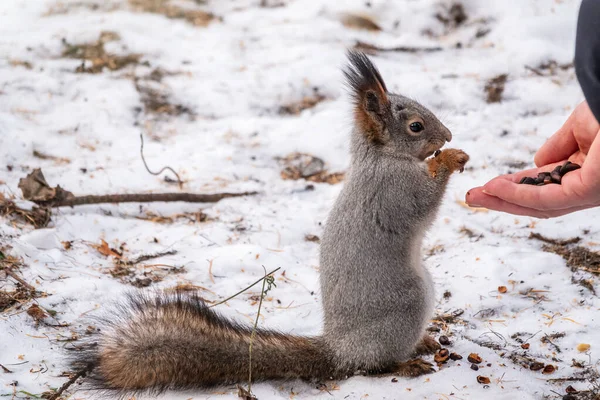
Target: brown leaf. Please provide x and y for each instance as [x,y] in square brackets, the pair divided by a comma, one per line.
[36,312]
[35,188]
[502,289]
[484,380]
[474,358]
[105,250]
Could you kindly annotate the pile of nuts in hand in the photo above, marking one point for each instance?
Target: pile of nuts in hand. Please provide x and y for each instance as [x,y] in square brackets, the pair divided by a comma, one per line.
[555,176]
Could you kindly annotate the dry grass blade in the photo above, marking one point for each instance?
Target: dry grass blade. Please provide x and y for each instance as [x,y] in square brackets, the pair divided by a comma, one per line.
[39,217]
[373,49]
[195,17]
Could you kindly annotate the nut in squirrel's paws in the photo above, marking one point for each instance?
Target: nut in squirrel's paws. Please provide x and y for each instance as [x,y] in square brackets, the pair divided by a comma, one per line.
[449,159]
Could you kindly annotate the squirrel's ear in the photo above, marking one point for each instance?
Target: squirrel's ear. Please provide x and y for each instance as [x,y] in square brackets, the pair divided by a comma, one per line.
[369,93]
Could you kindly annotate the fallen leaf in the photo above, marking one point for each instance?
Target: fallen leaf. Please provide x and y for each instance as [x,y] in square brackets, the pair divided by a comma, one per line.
[502,289]
[105,250]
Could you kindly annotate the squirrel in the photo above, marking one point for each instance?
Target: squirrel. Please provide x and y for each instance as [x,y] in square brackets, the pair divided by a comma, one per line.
[377,295]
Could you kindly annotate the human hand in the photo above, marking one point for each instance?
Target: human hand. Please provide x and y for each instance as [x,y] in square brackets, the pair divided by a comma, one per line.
[576,141]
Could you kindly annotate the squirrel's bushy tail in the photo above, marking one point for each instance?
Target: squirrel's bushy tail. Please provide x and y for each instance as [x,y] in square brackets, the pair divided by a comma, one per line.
[176,341]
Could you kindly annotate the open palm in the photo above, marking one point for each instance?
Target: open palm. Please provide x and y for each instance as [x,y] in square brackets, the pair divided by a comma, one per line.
[576,141]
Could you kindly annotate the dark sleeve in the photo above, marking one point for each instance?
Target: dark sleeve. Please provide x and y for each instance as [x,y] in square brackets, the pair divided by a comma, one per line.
[587,53]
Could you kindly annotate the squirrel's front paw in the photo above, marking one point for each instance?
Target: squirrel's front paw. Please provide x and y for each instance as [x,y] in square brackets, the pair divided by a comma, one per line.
[449,159]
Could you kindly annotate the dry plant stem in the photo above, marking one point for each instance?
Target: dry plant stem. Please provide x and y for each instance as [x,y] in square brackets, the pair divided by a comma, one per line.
[179,181]
[262,295]
[67,384]
[144,198]
[243,290]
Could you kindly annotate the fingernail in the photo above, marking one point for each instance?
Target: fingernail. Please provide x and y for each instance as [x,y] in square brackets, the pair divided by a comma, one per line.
[474,205]
[486,192]
[468,193]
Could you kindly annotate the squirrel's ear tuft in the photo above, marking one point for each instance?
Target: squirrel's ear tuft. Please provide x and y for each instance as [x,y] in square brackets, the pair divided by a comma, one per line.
[369,93]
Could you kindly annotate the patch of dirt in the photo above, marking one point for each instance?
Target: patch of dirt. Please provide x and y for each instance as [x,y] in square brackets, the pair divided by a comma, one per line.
[188,13]
[452,16]
[95,54]
[305,166]
[307,102]
[17,296]
[495,87]
[157,101]
[66,7]
[577,258]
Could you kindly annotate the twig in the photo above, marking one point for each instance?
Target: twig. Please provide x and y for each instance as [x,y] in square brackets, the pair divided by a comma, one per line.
[16,277]
[535,70]
[268,278]
[179,181]
[369,48]
[6,370]
[143,198]
[71,381]
[243,290]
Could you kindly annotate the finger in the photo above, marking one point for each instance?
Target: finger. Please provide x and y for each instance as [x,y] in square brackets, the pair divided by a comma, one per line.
[476,198]
[547,197]
[559,146]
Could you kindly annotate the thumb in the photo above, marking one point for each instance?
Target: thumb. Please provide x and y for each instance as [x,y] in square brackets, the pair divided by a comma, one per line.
[559,147]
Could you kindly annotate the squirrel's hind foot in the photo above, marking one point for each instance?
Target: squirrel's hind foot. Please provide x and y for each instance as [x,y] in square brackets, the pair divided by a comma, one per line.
[413,368]
[427,345]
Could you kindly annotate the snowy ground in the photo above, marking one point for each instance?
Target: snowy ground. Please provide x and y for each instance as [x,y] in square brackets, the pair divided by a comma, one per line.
[230,80]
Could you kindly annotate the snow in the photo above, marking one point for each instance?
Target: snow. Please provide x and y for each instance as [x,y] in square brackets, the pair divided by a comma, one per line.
[234,74]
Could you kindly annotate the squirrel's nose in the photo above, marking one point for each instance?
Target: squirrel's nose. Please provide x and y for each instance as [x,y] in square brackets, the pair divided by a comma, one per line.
[448,135]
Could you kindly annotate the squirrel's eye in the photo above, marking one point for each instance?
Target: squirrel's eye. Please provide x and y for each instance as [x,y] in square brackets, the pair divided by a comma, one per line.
[416,127]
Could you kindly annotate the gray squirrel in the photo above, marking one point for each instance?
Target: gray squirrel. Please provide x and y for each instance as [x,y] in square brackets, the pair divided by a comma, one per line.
[377,295]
